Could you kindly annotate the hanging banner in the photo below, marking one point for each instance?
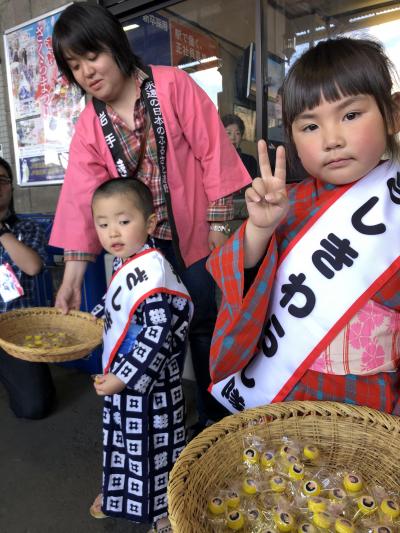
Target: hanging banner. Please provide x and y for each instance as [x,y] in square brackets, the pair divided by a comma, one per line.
[44,106]
[189,45]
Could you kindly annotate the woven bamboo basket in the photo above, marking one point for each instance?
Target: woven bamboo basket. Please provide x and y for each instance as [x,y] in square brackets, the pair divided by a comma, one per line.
[366,440]
[82,333]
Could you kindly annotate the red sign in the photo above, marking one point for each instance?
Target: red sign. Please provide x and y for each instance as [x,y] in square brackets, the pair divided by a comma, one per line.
[189,45]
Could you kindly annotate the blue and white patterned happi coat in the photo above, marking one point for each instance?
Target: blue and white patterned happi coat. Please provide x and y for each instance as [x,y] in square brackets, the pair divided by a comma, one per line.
[144,425]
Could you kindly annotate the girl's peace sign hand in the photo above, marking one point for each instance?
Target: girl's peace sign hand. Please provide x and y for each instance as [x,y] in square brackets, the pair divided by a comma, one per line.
[267,201]
[267,204]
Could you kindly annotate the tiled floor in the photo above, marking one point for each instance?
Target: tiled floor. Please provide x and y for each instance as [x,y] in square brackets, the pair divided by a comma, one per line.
[50,469]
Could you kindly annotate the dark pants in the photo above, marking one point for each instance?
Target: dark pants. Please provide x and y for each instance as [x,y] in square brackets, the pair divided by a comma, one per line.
[201,287]
[29,385]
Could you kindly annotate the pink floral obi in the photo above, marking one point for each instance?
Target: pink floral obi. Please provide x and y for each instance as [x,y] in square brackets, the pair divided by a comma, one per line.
[368,344]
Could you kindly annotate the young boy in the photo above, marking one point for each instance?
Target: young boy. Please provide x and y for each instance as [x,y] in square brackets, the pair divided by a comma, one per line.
[146,313]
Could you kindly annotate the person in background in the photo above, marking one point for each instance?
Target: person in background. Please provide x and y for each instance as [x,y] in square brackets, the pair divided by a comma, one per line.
[160,126]
[22,246]
[311,282]
[147,311]
[235,128]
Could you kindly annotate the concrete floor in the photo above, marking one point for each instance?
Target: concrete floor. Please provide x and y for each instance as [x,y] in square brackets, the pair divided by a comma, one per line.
[50,470]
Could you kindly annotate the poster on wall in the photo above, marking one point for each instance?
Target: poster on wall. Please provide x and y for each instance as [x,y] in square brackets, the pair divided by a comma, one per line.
[44,106]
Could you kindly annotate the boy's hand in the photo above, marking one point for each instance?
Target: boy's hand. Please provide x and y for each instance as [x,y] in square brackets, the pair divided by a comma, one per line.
[266,199]
[106,384]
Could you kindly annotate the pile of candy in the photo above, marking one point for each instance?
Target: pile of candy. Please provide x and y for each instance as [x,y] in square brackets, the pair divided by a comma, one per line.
[288,489]
[47,339]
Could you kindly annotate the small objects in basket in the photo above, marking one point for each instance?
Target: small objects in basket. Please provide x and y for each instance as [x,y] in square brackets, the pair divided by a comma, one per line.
[268,459]
[342,525]
[310,488]
[216,505]
[284,520]
[311,453]
[235,520]
[287,488]
[306,527]
[47,339]
[365,505]
[352,483]
[323,520]
[232,499]
[390,508]
[250,455]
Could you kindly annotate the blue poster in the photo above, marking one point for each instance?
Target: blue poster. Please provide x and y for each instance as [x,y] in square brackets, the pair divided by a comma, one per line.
[150,40]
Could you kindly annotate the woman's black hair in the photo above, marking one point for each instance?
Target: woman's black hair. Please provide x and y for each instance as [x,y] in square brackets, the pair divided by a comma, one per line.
[83,28]
[335,68]
[12,216]
[143,198]
[227,120]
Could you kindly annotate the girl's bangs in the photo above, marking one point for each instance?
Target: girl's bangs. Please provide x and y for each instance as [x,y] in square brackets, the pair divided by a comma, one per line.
[307,92]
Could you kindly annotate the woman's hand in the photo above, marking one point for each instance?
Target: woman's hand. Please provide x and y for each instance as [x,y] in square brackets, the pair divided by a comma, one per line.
[106,384]
[267,205]
[69,294]
[68,297]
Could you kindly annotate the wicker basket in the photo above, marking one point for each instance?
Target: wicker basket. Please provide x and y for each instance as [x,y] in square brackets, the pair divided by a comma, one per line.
[14,325]
[361,438]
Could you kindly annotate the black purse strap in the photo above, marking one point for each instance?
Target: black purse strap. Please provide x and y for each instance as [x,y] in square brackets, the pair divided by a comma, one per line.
[149,95]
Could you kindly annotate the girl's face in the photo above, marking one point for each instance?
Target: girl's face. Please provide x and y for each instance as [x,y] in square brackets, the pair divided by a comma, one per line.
[98,74]
[340,142]
[121,227]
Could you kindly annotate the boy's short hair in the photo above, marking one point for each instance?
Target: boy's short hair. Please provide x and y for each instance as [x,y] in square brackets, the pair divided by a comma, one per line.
[227,120]
[340,67]
[83,28]
[140,193]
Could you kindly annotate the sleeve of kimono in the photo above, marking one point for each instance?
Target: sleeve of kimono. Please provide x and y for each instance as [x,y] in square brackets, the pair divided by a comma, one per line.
[223,170]
[73,227]
[240,319]
[151,348]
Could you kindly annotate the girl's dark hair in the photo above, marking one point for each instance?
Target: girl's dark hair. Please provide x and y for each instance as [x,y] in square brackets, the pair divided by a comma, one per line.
[335,68]
[141,194]
[5,164]
[227,120]
[83,28]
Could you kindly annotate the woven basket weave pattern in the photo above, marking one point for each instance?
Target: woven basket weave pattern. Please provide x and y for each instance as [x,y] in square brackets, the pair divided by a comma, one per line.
[359,438]
[14,325]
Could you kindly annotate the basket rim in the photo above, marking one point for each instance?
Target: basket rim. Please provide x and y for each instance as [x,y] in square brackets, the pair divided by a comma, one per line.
[43,310]
[200,444]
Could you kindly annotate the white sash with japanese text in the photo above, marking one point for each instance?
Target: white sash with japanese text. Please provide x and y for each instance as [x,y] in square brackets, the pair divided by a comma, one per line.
[342,259]
[138,278]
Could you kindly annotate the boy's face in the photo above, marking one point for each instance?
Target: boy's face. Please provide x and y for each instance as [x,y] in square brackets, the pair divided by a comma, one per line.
[120,225]
[340,142]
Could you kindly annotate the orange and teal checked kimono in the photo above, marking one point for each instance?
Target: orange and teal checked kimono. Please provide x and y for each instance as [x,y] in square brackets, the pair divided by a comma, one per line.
[244,306]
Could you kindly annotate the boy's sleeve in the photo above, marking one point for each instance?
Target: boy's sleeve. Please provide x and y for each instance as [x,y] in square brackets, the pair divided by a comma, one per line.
[144,361]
